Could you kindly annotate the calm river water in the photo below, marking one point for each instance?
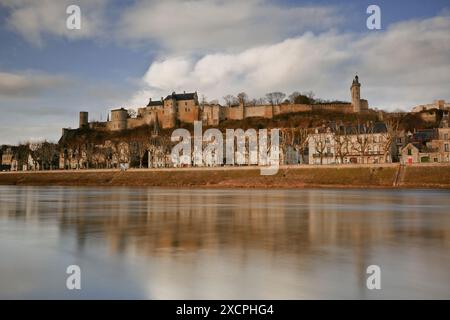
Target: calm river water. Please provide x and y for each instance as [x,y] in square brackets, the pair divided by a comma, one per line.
[223,244]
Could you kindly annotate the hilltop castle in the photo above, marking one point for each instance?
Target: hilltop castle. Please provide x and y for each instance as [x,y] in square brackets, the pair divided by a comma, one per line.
[184,107]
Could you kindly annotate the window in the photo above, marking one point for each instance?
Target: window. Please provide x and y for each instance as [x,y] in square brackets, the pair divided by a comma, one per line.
[445,136]
[409,151]
[446,147]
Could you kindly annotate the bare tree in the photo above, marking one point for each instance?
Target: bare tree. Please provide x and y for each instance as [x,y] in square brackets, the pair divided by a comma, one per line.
[293,96]
[45,153]
[320,145]
[260,101]
[342,144]
[275,98]
[131,113]
[392,127]
[310,95]
[203,100]
[301,142]
[140,147]
[230,100]
[361,144]
[242,98]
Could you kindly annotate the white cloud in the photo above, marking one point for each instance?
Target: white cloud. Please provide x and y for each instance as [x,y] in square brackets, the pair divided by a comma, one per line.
[400,67]
[27,84]
[211,25]
[33,19]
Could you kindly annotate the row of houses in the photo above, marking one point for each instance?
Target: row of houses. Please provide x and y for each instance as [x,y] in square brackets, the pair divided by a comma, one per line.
[369,143]
[30,156]
[431,145]
[11,161]
[379,143]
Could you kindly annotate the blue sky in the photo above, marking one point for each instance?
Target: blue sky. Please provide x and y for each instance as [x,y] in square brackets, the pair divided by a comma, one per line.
[127,51]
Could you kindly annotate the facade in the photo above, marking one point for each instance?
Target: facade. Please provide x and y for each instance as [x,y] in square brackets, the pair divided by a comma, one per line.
[364,144]
[7,157]
[431,145]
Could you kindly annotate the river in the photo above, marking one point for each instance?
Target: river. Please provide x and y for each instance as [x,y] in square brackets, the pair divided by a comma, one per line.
[144,243]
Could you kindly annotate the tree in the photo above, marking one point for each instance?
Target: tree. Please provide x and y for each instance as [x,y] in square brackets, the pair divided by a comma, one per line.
[392,127]
[131,113]
[320,145]
[260,101]
[293,96]
[242,98]
[275,98]
[296,138]
[230,100]
[301,142]
[203,100]
[341,144]
[303,99]
[362,142]
[310,95]
[45,153]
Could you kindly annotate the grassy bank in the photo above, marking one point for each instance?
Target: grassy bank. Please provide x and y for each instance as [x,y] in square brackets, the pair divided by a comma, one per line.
[287,177]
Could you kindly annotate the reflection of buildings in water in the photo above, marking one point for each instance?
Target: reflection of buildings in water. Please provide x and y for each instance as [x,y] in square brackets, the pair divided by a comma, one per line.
[280,221]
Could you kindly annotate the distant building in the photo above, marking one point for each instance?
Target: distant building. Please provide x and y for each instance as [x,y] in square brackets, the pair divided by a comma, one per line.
[184,107]
[437,104]
[430,145]
[363,144]
[7,159]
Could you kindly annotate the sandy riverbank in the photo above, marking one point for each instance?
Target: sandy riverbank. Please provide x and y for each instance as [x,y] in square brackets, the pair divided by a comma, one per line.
[368,176]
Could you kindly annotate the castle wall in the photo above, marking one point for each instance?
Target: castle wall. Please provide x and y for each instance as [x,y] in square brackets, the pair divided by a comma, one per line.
[211,115]
[234,113]
[188,111]
[335,107]
[364,104]
[135,122]
[169,114]
[291,108]
[258,111]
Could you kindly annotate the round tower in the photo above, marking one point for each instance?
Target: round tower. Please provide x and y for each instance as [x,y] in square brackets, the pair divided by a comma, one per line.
[356,94]
[118,119]
[84,119]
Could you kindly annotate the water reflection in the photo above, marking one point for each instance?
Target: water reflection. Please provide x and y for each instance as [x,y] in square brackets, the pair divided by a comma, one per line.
[158,243]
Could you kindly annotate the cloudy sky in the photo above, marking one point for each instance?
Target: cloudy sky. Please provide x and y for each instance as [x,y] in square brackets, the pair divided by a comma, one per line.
[128,51]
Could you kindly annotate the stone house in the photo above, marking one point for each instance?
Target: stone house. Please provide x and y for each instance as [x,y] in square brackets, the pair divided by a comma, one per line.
[430,145]
[362,144]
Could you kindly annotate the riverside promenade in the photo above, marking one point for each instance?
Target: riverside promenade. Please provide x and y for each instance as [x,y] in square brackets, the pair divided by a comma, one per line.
[289,176]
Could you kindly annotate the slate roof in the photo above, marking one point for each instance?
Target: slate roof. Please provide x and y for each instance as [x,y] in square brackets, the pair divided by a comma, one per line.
[181,96]
[377,127]
[155,103]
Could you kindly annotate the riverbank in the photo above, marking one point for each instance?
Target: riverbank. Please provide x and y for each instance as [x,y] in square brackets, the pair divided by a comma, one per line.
[348,176]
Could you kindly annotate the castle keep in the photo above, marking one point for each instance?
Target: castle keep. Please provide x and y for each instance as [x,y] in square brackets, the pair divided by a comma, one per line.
[184,107]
